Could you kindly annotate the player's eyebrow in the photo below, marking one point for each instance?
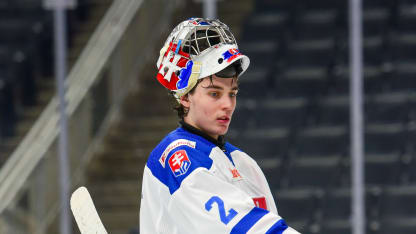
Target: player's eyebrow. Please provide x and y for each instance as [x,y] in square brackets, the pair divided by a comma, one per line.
[212,86]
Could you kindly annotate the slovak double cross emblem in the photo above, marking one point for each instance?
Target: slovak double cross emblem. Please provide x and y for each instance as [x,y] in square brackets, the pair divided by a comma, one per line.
[179,163]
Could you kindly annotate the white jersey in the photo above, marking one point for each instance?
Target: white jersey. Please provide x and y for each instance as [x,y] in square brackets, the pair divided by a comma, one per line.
[191,185]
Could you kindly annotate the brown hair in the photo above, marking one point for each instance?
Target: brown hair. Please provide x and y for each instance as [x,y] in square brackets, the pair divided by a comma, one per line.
[177,106]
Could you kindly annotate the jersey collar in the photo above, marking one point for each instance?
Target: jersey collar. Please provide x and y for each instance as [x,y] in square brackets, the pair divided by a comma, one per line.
[220,142]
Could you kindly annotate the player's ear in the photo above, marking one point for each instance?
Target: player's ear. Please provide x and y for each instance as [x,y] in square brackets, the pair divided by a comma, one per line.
[184,100]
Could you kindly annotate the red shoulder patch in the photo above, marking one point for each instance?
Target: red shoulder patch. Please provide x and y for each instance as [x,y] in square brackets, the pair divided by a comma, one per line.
[179,162]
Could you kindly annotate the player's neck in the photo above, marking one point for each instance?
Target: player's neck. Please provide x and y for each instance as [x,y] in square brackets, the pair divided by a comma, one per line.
[219,141]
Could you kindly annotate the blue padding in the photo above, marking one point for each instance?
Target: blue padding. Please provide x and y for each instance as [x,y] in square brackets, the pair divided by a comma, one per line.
[278,228]
[249,220]
[178,46]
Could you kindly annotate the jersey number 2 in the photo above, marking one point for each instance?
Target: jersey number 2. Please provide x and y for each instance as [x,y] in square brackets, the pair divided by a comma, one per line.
[225,218]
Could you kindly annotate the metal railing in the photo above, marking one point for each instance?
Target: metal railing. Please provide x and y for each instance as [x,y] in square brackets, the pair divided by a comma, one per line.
[98,82]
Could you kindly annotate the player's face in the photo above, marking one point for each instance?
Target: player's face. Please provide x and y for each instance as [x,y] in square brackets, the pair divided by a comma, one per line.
[211,105]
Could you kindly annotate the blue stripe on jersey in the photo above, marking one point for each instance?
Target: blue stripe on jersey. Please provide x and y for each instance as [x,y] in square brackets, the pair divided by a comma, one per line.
[198,158]
[249,220]
[278,228]
[230,148]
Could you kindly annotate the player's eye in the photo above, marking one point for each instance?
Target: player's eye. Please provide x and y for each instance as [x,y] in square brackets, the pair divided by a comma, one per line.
[233,94]
[214,94]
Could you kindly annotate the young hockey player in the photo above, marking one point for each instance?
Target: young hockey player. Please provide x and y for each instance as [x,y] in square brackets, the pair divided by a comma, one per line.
[194,181]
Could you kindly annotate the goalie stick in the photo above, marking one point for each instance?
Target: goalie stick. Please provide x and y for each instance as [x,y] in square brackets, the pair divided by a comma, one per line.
[85,213]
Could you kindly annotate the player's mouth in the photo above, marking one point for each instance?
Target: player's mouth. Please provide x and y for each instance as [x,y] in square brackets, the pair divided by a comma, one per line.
[223,119]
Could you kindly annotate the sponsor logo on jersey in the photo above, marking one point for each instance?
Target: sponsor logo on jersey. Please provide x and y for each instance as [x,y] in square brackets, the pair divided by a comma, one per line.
[179,162]
[235,173]
[260,202]
[231,54]
[172,146]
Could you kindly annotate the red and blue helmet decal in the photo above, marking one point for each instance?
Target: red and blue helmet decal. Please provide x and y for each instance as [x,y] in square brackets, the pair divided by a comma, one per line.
[231,54]
[203,23]
[184,75]
[198,21]
[177,80]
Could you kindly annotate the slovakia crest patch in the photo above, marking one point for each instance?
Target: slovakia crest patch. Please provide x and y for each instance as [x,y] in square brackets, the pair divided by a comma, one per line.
[179,162]
[174,145]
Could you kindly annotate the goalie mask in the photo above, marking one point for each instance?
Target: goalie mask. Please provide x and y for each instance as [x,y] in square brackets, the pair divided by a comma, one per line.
[195,49]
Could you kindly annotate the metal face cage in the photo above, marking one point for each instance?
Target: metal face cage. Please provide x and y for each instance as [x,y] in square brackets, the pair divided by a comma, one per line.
[202,37]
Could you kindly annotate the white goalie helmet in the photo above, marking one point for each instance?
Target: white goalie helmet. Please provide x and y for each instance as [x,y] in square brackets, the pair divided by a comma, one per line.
[195,49]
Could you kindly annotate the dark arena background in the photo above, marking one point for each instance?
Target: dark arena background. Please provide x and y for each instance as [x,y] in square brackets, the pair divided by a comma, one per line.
[292,115]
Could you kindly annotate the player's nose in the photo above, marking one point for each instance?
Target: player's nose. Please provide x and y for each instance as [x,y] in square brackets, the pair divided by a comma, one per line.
[228,103]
